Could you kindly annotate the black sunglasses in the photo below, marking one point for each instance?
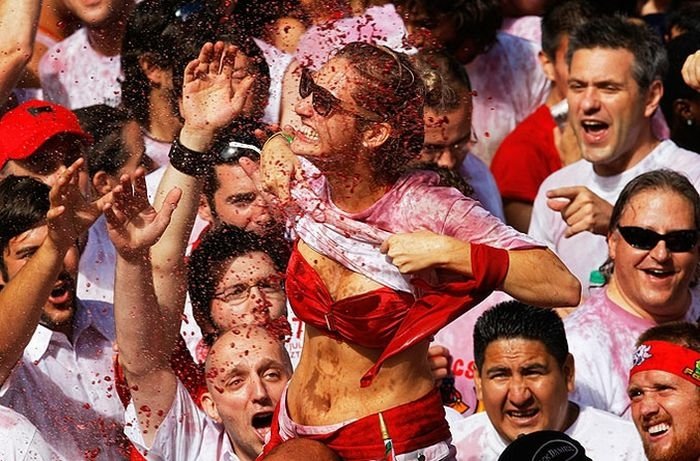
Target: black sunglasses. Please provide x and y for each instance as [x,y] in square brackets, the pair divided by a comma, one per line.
[323,100]
[680,241]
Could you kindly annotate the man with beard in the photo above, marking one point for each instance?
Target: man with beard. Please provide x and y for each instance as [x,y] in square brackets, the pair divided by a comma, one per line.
[665,391]
[56,351]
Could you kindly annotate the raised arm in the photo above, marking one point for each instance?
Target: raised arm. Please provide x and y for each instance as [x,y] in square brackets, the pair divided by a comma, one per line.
[146,333]
[23,297]
[209,104]
[535,275]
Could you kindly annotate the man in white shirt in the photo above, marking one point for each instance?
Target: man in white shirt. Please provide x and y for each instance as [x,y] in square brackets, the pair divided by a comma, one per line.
[615,71]
[56,366]
[524,375]
[246,370]
[653,246]
[84,69]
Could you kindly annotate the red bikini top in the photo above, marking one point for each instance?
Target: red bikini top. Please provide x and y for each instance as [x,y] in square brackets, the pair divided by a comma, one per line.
[369,319]
[387,319]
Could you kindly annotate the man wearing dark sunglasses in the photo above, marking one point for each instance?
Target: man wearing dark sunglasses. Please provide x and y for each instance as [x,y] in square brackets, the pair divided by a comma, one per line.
[614,89]
[653,248]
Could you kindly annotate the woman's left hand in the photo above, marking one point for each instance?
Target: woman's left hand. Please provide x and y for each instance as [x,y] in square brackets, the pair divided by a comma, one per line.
[420,250]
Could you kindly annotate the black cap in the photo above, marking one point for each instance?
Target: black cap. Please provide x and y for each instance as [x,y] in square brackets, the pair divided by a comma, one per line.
[544,446]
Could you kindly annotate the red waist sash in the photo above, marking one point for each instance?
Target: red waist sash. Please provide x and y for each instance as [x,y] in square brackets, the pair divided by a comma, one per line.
[411,426]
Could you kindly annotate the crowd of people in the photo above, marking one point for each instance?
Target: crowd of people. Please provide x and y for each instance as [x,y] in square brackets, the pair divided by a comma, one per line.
[349,230]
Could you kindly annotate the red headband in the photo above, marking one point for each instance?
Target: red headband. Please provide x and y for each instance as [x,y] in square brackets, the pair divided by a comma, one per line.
[671,358]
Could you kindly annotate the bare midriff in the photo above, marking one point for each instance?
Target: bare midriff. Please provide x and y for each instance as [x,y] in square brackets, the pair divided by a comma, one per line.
[326,388]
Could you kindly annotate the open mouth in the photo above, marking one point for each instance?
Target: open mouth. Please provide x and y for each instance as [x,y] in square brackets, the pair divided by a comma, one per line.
[522,416]
[658,430]
[308,133]
[261,424]
[61,293]
[659,273]
[594,130]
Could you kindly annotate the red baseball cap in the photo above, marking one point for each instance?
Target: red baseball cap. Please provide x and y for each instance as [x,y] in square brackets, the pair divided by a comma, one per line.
[25,128]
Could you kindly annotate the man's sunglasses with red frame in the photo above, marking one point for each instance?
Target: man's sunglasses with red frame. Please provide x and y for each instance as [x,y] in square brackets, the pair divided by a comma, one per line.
[323,101]
[679,241]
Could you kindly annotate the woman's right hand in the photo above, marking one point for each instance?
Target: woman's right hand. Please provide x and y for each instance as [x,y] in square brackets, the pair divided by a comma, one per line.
[278,165]
[209,99]
[415,251]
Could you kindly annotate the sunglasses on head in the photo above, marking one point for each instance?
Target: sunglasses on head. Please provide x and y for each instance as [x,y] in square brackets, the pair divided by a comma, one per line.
[680,241]
[324,102]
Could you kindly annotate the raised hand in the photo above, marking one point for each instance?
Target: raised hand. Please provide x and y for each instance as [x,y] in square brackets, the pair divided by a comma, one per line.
[581,210]
[214,91]
[71,214]
[133,224]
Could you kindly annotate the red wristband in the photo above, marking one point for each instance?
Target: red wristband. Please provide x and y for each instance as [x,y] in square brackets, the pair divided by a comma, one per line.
[489,266]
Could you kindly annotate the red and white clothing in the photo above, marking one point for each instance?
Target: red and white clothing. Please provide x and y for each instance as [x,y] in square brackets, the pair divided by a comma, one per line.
[20,440]
[601,336]
[415,201]
[66,387]
[508,84]
[585,252]
[418,430]
[186,433]
[604,436]
[74,75]
[526,157]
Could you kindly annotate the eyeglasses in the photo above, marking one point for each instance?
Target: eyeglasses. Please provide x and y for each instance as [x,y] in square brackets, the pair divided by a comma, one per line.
[238,294]
[680,241]
[324,102]
[433,151]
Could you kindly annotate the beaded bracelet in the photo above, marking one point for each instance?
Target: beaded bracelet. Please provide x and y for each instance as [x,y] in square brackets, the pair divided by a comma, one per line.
[188,161]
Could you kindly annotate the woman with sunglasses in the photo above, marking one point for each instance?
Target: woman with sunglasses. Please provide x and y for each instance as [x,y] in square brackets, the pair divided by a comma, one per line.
[653,248]
[363,385]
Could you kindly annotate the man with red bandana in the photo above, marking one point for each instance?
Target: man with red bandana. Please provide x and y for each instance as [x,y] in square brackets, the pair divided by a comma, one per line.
[653,247]
[665,391]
